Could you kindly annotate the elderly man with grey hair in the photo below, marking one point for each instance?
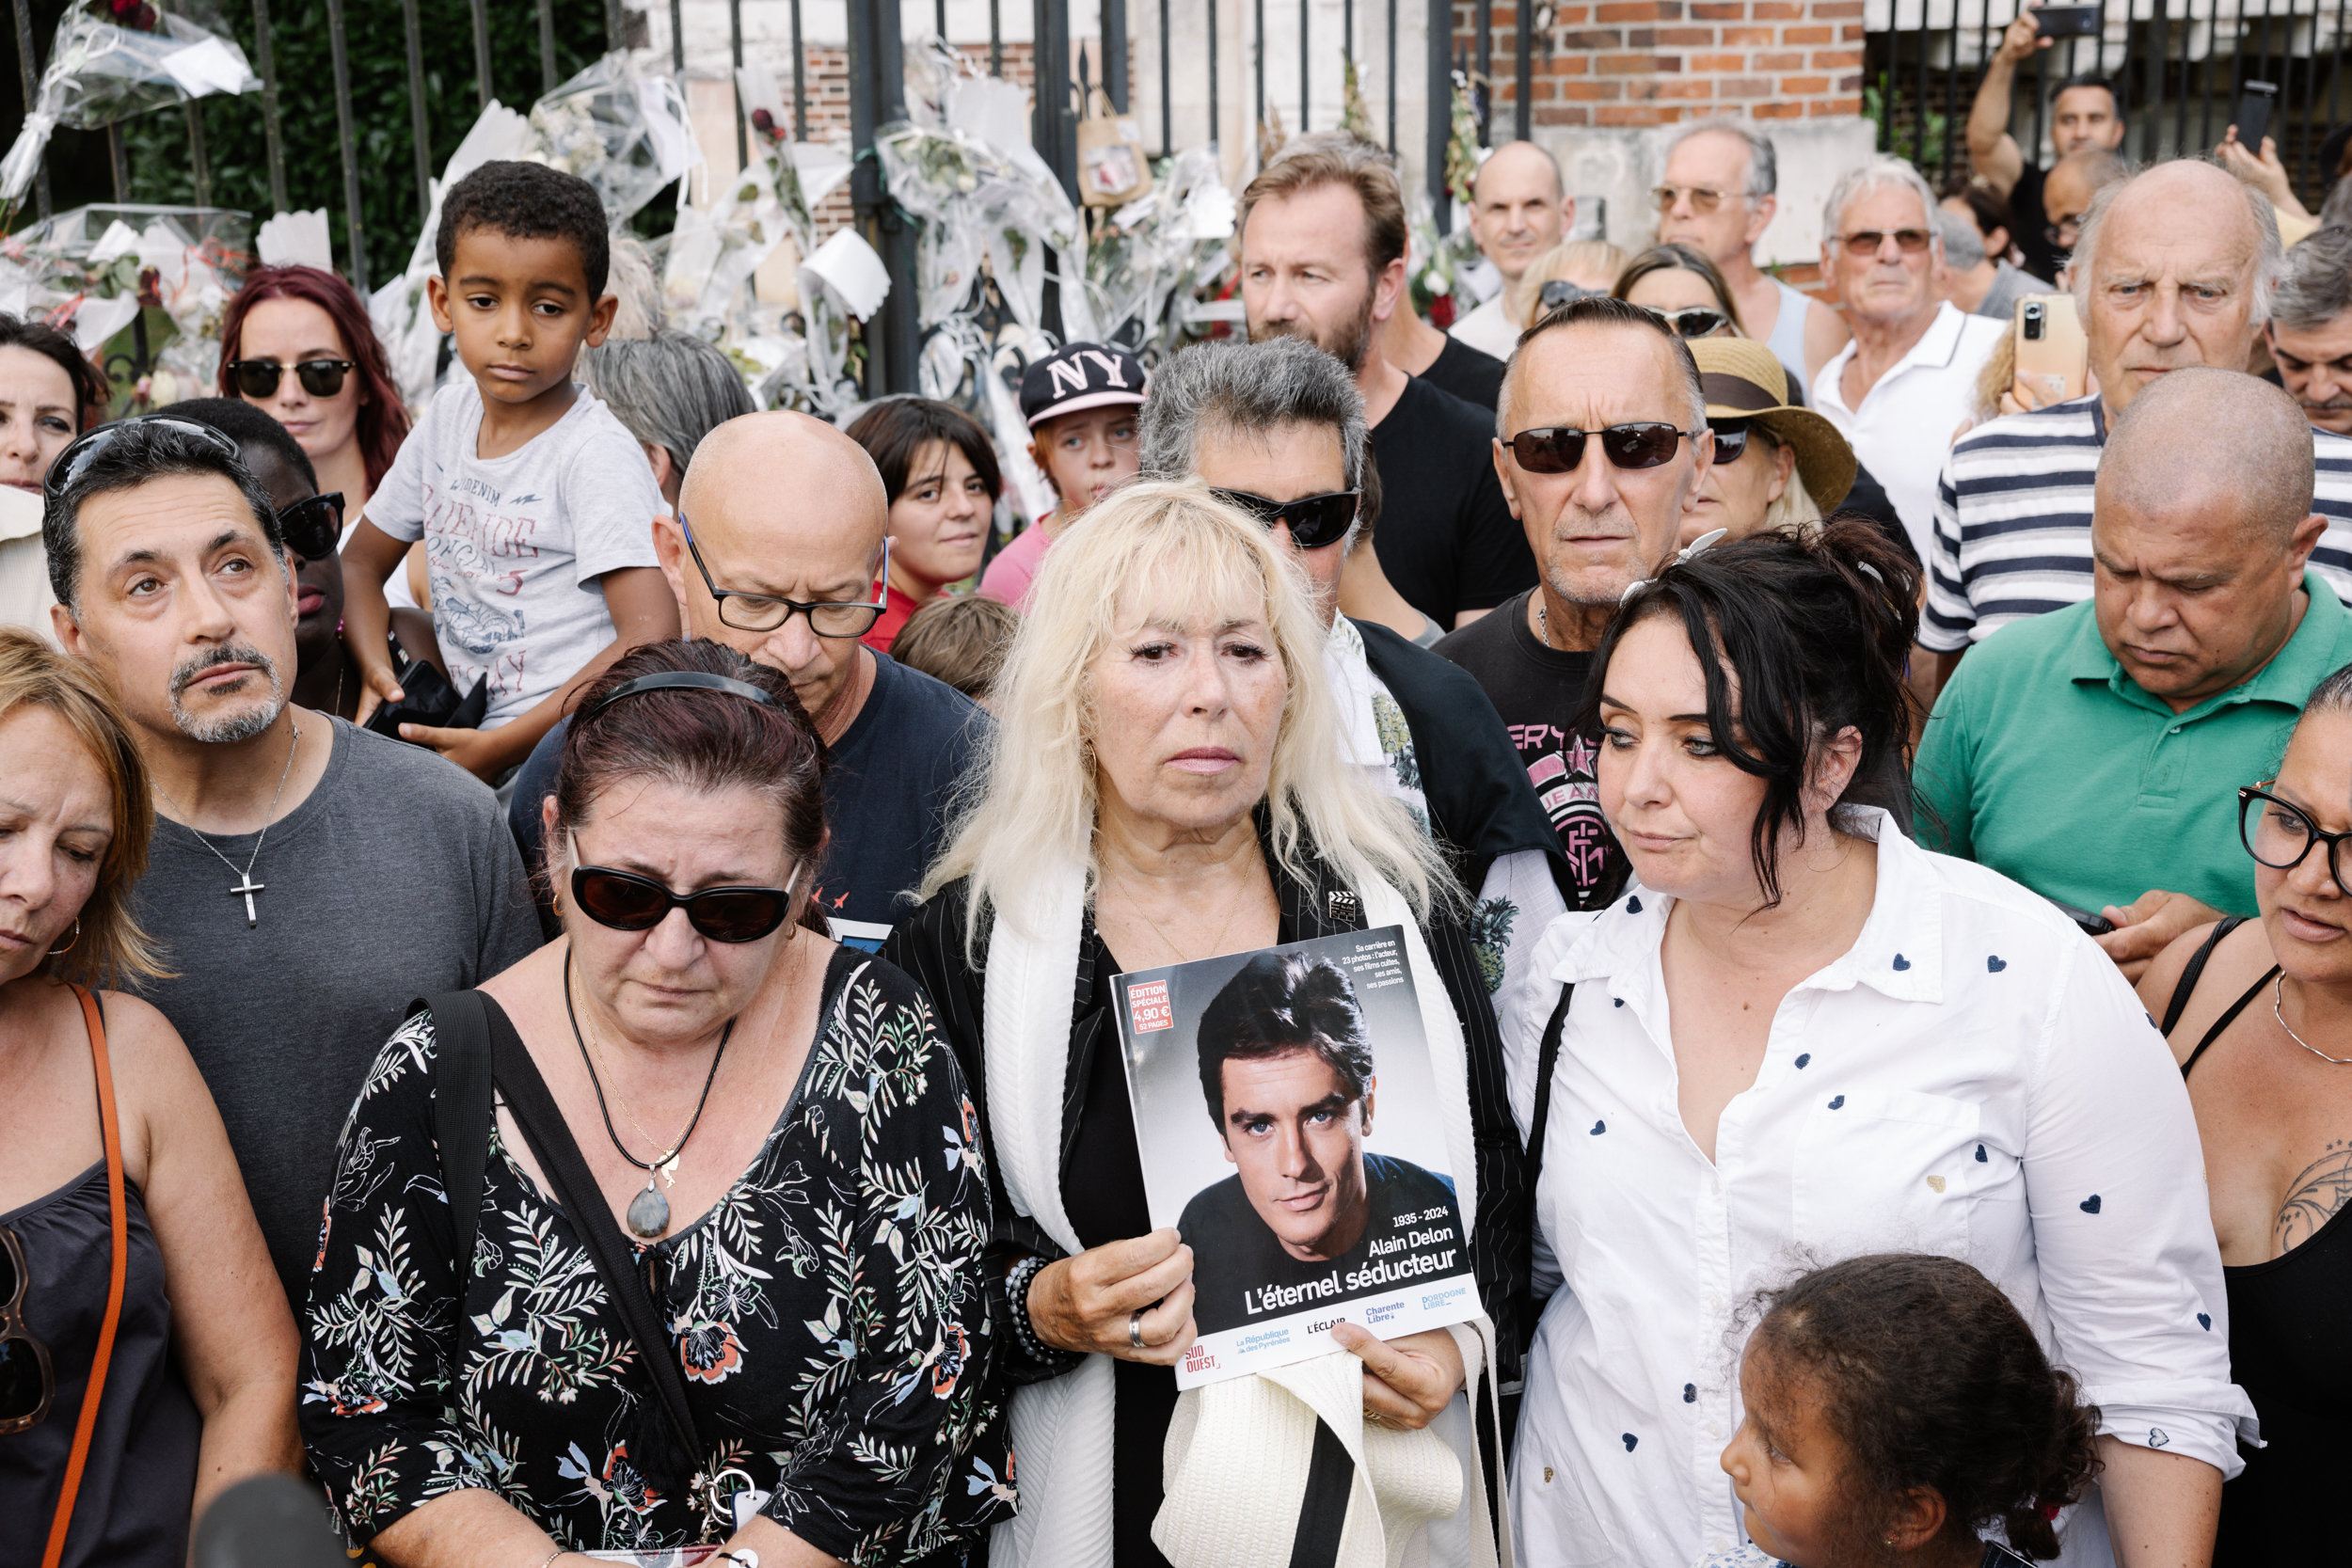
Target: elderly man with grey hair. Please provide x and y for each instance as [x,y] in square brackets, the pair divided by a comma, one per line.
[1719,196]
[1907,381]
[1277,429]
[2310,328]
[2175,267]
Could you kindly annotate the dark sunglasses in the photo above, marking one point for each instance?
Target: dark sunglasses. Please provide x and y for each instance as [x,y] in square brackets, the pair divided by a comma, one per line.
[1909,240]
[258,378]
[1731,439]
[1560,449]
[1560,292]
[27,1383]
[627,902]
[82,449]
[313,529]
[1696,322]
[1315,520]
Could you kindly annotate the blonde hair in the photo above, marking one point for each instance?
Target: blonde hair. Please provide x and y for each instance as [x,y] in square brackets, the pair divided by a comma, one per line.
[1794,509]
[112,946]
[1036,799]
[1570,259]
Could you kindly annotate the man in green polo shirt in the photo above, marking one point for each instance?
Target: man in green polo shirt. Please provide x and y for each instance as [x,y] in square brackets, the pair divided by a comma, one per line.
[2095,754]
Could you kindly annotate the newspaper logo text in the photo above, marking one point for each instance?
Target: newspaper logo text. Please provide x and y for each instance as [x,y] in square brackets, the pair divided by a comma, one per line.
[1148,1003]
[1199,1358]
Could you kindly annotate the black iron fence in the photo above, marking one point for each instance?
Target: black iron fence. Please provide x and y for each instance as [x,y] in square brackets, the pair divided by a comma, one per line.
[2179,65]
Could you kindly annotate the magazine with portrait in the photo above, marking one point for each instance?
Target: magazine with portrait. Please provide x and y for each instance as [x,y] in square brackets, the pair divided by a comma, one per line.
[1286,1110]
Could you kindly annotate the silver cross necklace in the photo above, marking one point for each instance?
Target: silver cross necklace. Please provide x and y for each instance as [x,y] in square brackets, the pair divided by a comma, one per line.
[247,887]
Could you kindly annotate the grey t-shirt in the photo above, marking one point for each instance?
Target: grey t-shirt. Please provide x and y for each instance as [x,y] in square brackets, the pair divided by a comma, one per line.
[395,877]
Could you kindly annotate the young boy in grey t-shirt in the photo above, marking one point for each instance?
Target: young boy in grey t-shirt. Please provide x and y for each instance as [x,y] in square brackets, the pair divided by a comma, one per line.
[536,504]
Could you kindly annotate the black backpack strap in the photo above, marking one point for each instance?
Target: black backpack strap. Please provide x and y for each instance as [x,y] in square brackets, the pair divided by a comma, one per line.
[1547,1063]
[2196,971]
[461,1119]
[666,1438]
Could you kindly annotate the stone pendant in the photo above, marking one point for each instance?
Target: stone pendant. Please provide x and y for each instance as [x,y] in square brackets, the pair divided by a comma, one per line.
[650,1214]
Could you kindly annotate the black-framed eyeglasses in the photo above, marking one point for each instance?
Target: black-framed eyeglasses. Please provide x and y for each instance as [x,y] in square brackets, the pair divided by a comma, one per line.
[1315,520]
[1695,322]
[1731,439]
[624,901]
[258,378]
[1560,292]
[1909,240]
[27,1382]
[313,528]
[2279,835]
[2064,232]
[82,448]
[768,612]
[1560,449]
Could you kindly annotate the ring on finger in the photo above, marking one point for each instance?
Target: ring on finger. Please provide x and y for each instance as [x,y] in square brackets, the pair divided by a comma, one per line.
[1134,1329]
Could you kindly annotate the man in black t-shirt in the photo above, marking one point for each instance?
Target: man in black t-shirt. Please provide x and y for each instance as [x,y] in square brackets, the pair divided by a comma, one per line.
[2084,113]
[1597,526]
[1322,257]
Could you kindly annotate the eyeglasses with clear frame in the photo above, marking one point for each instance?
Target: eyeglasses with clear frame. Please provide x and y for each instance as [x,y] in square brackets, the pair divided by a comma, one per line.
[832,618]
[2280,835]
[1703,200]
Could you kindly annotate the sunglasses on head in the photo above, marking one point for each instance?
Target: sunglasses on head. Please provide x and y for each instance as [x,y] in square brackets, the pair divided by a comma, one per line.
[258,378]
[84,449]
[1560,292]
[27,1383]
[1560,449]
[1868,241]
[313,528]
[1695,322]
[1315,520]
[627,902]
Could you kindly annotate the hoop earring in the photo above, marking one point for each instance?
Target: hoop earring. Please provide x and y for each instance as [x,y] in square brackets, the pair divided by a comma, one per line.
[77,937]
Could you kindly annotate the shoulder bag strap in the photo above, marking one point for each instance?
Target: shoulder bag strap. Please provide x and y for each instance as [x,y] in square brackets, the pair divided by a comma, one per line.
[462,1110]
[118,1216]
[1547,1063]
[2196,971]
[575,1188]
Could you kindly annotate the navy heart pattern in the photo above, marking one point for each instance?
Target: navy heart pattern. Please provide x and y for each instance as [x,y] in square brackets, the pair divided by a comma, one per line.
[1632,906]
[1690,1393]
[1618,1000]
[1599,1128]
[1981,1158]
[1901,963]
[1630,1441]
[2090,1205]
[1804,1057]
[2205,1321]
[1994,965]
[1838,1104]
[2157,1438]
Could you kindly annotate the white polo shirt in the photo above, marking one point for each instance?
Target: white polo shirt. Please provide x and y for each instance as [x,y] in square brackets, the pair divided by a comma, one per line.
[1488,329]
[1906,421]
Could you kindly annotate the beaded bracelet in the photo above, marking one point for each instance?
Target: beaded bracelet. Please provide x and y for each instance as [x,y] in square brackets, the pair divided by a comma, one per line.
[1025,1335]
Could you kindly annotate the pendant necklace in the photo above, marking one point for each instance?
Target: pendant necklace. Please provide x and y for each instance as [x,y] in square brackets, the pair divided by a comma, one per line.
[648,1212]
[247,887]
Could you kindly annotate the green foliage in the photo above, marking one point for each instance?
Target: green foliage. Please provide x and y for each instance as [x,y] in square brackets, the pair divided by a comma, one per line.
[1903,138]
[162,170]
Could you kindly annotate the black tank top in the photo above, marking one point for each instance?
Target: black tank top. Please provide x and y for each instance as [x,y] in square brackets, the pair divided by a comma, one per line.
[2290,1353]
[140,1476]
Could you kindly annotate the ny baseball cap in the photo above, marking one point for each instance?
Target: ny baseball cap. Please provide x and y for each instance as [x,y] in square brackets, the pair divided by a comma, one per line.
[1078,376]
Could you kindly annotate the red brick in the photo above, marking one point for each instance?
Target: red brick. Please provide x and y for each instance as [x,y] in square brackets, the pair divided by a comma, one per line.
[1686,89]
[1777,10]
[1780,62]
[1640,11]
[1719,62]
[1593,38]
[1591,91]
[1807,35]
[1686,38]
[1568,65]
[1778,111]
[1748,38]
[1744,87]
[1638,65]
[1836,59]
[1718,11]
[1573,16]
[1564,116]
[1855,32]
[1635,114]
[1837,11]
[1801,87]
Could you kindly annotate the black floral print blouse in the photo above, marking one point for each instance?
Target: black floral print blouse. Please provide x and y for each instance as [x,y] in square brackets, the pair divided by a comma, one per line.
[828,1313]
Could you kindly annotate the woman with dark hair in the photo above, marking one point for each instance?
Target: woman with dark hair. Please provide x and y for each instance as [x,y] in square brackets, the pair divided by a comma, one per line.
[1683,286]
[296,341]
[48,393]
[786,1352]
[940,473]
[1801,1034]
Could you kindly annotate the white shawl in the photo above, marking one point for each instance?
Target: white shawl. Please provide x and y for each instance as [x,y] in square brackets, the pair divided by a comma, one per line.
[1237,1451]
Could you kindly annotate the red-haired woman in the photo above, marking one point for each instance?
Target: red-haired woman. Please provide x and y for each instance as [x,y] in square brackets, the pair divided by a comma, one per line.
[295,341]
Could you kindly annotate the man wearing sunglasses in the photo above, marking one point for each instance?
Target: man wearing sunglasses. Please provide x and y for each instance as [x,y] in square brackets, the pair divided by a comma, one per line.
[307,877]
[1718,198]
[1277,429]
[777,550]
[1907,381]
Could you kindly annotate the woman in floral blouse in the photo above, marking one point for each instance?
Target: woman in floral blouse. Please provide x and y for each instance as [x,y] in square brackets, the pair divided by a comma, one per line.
[788,1149]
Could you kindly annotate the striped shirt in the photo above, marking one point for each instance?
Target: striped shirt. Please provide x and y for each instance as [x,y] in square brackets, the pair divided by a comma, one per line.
[2012,520]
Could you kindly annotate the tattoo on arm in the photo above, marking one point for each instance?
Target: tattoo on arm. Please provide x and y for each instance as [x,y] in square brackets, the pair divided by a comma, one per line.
[2322,1189]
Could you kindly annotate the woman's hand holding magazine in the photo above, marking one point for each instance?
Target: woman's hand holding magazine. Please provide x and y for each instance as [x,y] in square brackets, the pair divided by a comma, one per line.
[1408,1382]
[1086,1302]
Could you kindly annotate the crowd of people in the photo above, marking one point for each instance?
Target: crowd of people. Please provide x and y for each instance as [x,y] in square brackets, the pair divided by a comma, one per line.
[557,949]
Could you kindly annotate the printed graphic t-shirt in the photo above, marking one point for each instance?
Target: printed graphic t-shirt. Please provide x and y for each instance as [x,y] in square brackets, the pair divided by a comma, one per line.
[1538,690]
[515,544]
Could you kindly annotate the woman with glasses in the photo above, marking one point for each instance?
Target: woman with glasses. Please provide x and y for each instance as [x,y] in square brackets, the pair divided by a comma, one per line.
[1800,1035]
[2259,1014]
[297,343]
[1776,465]
[1567,271]
[125,1235]
[1683,286]
[712,1271]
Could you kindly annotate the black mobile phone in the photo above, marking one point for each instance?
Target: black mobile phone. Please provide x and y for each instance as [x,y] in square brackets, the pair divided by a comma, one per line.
[2255,103]
[2068,21]
[2095,924]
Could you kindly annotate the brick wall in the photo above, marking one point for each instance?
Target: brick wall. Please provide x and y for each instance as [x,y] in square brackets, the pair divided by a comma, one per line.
[1651,62]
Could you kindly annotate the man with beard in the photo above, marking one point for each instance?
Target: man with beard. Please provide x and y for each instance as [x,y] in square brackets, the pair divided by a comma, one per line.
[307,877]
[1322,257]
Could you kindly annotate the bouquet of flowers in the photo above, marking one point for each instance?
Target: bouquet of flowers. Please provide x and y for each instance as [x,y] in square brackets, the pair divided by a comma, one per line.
[1169,242]
[626,134]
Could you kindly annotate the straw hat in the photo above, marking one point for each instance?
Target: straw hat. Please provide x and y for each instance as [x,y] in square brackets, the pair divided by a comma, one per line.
[1742,380]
